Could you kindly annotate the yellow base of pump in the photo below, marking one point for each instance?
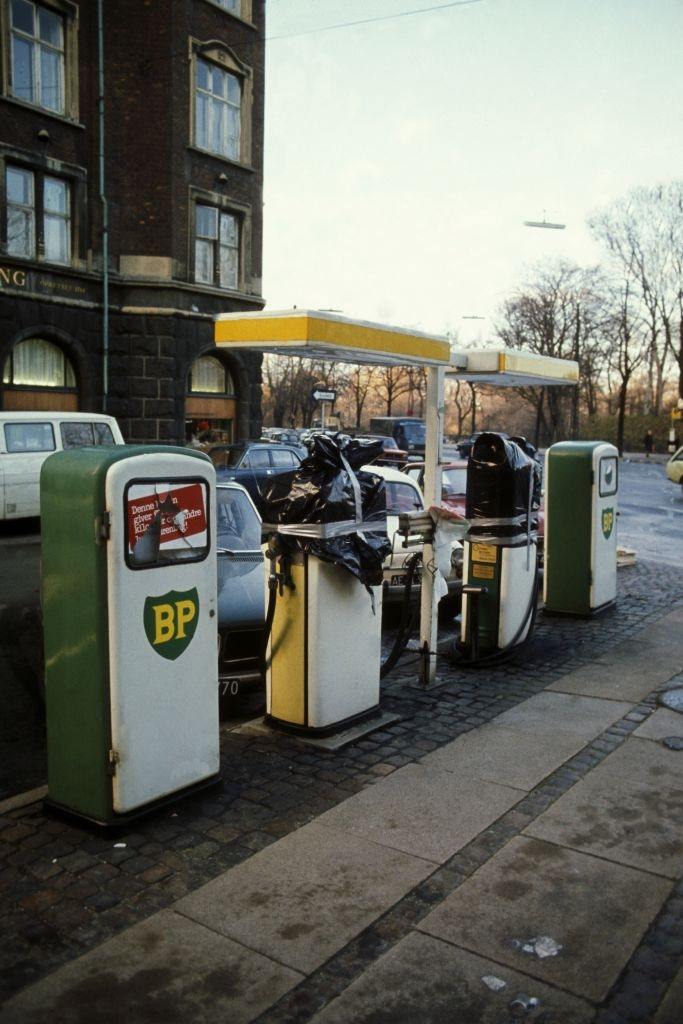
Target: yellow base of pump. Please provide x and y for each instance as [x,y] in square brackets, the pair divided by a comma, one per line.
[324,651]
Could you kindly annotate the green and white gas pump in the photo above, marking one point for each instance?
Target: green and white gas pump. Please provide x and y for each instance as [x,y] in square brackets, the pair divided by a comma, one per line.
[129,606]
[581,493]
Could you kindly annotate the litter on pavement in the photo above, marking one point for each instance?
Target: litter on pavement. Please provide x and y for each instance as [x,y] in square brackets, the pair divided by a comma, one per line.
[495,984]
[672,699]
[542,946]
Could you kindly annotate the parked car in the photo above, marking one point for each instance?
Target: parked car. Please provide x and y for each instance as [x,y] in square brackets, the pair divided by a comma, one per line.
[674,467]
[241,592]
[253,464]
[467,443]
[26,440]
[391,454]
[454,490]
[290,437]
[409,432]
[453,482]
[404,495]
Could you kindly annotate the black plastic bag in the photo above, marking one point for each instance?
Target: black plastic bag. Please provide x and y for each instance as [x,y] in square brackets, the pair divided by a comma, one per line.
[329,488]
[503,483]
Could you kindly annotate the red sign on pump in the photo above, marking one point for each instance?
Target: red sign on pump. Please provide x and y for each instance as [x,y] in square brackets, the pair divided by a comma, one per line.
[176,513]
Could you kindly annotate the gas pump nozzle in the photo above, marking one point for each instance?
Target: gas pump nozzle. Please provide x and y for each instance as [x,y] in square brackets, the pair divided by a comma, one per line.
[283,578]
[416,525]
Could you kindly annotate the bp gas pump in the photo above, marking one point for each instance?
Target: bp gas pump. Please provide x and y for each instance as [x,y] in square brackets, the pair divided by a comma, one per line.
[327,541]
[581,493]
[499,558]
[129,606]
[324,652]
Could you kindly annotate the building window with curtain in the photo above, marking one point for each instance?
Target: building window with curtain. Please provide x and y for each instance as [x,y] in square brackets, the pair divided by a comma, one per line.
[217,247]
[38,216]
[37,363]
[37,51]
[208,376]
[210,406]
[234,6]
[218,110]
[240,8]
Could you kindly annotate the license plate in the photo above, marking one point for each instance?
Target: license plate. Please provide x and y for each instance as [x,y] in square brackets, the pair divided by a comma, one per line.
[400,581]
[228,687]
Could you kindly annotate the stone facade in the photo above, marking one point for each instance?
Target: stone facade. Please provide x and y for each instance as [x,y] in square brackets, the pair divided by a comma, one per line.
[160,319]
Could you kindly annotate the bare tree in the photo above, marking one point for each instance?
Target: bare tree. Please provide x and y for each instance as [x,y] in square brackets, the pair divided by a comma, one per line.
[643,236]
[558,313]
[391,383]
[359,385]
[629,343]
[289,382]
[460,397]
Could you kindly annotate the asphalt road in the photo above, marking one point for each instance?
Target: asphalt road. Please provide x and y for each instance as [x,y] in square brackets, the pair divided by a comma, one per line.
[650,521]
[651,513]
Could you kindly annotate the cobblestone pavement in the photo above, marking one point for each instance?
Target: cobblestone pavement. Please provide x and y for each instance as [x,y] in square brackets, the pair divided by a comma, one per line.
[63,890]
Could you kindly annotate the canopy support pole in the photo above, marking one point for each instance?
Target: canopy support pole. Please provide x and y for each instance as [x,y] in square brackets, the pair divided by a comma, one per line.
[429,605]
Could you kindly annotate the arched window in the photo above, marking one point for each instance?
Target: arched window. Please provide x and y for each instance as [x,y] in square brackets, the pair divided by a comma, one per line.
[36,363]
[208,376]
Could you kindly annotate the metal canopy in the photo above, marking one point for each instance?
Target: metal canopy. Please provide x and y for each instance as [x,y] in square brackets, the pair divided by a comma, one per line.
[315,334]
[512,368]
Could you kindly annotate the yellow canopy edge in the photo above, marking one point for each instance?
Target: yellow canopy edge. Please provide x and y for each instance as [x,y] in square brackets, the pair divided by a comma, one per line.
[513,368]
[329,336]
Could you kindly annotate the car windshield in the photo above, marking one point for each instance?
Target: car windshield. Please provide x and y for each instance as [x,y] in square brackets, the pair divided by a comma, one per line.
[238,526]
[402,498]
[415,431]
[453,481]
[223,458]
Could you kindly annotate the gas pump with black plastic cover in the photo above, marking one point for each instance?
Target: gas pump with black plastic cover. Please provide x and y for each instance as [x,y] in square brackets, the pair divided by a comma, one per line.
[326,530]
[500,576]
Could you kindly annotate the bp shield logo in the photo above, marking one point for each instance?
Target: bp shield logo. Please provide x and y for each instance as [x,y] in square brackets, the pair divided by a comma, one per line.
[170,621]
[607,522]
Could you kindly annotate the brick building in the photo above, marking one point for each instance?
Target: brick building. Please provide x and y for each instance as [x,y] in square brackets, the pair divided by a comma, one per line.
[178,206]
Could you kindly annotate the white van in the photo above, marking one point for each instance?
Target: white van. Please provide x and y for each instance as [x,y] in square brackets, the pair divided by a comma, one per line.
[26,440]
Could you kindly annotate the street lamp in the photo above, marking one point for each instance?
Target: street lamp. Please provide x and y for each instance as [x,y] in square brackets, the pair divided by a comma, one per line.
[544,224]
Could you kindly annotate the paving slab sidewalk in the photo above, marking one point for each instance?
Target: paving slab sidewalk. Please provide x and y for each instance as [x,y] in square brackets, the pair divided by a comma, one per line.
[267,930]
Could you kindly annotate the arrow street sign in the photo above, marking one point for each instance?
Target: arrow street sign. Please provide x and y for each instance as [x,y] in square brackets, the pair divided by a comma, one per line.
[324,396]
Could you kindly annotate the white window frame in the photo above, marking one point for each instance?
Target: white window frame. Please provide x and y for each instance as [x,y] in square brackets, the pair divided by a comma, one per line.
[214,277]
[37,46]
[243,8]
[232,6]
[40,214]
[57,215]
[28,209]
[219,58]
[218,108]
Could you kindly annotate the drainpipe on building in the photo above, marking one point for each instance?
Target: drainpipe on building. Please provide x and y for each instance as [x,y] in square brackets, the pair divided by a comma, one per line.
[105,210]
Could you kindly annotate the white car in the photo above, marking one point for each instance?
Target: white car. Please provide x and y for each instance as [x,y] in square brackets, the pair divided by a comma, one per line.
[404,495]
[26,440]
[674,467]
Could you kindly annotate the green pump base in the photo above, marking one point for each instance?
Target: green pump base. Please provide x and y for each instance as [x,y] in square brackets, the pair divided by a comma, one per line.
[121,822]
[590,614]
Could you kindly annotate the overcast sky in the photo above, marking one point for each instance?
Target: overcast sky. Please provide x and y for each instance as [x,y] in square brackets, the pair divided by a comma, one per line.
[403,155]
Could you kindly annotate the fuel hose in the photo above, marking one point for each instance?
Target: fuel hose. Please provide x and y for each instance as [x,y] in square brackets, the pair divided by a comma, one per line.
[408,617]
[513,647]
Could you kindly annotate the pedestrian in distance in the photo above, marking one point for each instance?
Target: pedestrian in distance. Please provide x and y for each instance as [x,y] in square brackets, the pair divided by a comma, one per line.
[648,444]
